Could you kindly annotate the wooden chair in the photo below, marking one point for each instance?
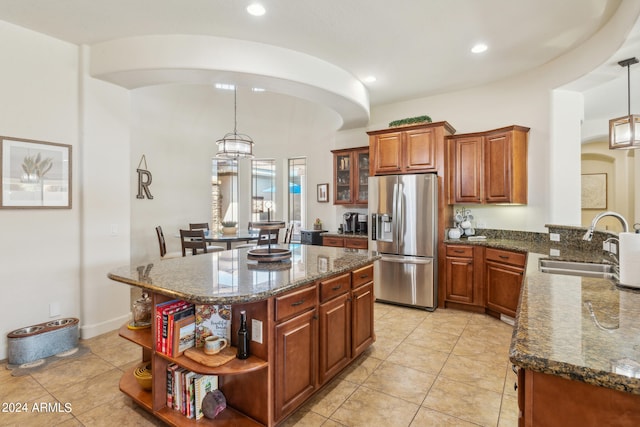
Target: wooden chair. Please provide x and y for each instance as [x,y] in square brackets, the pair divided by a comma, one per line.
[194,240]
[163,245]
[205,226]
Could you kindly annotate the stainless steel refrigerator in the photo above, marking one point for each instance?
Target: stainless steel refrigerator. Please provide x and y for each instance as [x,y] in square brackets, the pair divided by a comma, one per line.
[403,213]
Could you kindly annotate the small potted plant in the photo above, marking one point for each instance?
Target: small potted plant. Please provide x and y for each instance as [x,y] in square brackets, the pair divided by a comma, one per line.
[317,225]
[229,227]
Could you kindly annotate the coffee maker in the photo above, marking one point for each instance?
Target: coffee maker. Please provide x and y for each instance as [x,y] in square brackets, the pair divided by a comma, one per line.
[350,222]
[362,224]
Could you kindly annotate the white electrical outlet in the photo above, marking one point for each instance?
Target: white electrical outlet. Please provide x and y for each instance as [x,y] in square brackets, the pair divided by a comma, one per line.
[554,252]
[54,309]
[256,330]
[613,248]
[554,237]
[606,246]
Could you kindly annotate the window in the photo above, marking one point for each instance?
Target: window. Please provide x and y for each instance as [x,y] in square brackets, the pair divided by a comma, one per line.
[296,194]
[224,192]
[263,189]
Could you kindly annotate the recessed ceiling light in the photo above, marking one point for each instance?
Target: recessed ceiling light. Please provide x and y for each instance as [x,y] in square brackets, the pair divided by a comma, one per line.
[479,48]
[256,9]
[369,79]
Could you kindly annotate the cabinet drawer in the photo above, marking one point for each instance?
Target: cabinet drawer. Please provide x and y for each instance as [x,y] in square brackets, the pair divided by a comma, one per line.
[333,241]
[356,243]
[331,288]
[361,276]
[460,251]
[505,257]
[295,302]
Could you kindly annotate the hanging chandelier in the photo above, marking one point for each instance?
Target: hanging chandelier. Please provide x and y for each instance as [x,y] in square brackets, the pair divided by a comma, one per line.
[624,132]
[234,145]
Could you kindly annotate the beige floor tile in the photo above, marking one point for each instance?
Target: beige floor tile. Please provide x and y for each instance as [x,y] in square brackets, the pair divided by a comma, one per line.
[304,418]
[366,408]
[402,382]
[480,349]
[385,344]
[120,352]
[71,372]
[508,412]
[331,397]
[486,375]
[118,412]
[361,368]
[428,417]
[21,389]
[425,336]
[419,358]
[85,395]
[464,401]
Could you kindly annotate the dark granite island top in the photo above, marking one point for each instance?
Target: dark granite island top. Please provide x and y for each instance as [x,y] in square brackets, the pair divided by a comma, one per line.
[228,277]
[579,328]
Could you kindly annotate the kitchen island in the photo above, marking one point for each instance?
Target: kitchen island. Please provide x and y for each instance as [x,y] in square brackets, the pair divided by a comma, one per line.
[309,319]
[576,341]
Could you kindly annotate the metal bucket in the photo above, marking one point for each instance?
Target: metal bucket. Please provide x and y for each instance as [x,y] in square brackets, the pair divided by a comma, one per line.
[43,340]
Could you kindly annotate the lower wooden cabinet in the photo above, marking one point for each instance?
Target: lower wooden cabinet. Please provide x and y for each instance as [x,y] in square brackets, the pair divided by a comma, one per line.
[295,364]
[345,242]
[335,335]
[483,279]
[362,319]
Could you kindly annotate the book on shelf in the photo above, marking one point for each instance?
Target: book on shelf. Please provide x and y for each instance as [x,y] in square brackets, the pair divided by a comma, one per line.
[187,389]
[167,325]
[173,317]
[211,320]
[203,384]
[171,369]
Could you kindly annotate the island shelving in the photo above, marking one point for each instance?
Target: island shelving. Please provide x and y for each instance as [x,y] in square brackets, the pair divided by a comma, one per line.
[293,303]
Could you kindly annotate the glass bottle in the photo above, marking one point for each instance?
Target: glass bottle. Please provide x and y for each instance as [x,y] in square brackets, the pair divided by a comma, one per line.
[243,337]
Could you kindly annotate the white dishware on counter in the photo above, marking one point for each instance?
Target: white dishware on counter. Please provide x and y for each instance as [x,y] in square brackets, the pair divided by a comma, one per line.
[454,233]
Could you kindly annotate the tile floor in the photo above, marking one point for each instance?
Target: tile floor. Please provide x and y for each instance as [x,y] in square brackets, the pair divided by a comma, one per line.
[446,368]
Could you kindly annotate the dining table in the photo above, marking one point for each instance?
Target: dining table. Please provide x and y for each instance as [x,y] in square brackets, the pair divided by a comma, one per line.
[211,236]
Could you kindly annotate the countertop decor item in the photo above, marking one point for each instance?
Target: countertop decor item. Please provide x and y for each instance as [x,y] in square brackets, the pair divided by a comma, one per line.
[410,121]
[229,227]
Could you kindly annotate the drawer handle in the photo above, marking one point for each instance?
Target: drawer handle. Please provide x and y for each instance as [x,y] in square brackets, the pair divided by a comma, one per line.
[335,288]
[458,251]
[297,303]
[364,276]
[504,256]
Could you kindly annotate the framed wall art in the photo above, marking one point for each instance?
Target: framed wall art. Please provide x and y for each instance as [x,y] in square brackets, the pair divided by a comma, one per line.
[323,193]
[34,174]
[594,191]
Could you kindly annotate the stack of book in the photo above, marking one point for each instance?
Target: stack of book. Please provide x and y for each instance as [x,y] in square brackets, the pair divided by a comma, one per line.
[175,327]
[186,389]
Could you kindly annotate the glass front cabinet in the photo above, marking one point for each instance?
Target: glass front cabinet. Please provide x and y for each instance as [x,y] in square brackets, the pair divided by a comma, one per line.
[350,176]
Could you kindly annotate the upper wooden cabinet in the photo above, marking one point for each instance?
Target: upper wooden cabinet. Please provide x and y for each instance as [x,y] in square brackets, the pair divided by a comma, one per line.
[489,167]
[413,149]
[351,176]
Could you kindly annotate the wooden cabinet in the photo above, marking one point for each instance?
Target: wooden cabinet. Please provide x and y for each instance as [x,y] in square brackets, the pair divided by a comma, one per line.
[489,167]
[362,297]
[462,285]
[335,325]
[551,401]
[351,176]
[404,151]
[483,279]
[295,362]
[504,271]
[345,242]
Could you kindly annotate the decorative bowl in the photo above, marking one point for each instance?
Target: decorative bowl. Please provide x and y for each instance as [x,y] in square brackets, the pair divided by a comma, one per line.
[142,374]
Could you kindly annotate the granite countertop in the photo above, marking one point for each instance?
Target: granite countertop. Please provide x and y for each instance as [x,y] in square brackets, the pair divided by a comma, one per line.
[227,277]
[350,235]
[555,331]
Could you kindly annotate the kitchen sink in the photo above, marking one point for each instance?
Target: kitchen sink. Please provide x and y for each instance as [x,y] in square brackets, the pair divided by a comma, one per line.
[574,268]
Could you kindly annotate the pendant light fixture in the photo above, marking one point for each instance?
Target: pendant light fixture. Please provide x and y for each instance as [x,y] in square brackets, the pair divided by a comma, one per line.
[234,145]
[624,132]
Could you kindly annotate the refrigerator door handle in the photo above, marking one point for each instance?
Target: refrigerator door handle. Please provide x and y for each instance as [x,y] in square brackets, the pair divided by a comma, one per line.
[407,260]
[400,213]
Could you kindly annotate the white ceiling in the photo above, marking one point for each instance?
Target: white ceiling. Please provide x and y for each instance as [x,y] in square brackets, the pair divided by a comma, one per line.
[415,48]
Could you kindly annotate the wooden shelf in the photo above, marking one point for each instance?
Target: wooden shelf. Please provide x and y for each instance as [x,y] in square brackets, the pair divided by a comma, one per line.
[229,417]
[129,386]
[233,367]
[142,337]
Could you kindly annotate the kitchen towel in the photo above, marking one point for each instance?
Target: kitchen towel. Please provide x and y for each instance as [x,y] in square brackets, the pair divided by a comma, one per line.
[629,259]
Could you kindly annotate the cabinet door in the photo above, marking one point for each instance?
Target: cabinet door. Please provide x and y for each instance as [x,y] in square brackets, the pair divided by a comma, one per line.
[335,336]
[465,174]
[362,318]
[419,150]
[361,176]
[387,153]
[503,287]
[296,363]
[342,178]
[459,279]
[497,168]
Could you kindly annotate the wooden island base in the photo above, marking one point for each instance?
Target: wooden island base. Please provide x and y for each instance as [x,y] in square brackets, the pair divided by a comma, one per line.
[310,334]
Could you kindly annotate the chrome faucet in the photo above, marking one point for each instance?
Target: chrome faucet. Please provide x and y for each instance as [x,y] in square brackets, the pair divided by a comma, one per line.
[589,234]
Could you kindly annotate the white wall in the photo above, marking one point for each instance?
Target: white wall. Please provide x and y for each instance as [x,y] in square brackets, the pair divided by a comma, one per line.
[40,249]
